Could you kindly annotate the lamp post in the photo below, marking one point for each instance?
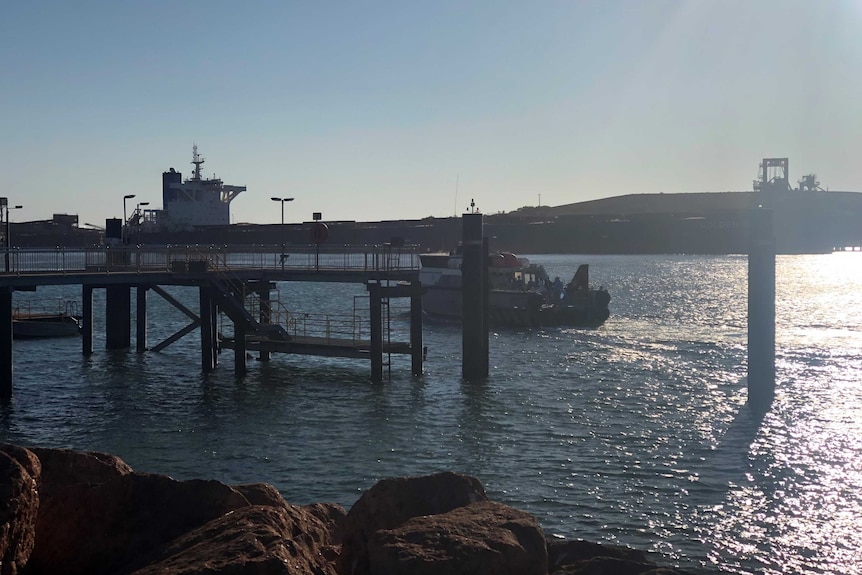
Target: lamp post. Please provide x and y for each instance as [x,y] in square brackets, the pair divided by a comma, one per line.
[123,230]
[8,230]
[139,219]
[282,200]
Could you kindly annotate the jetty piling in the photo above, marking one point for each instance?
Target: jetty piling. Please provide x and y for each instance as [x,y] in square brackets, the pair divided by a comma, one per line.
[474,293]
[5,343]
[87,320]
[118,321]
[761,310]
[141,318]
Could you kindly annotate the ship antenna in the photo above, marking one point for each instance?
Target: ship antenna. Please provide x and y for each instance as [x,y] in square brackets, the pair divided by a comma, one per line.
[197,160]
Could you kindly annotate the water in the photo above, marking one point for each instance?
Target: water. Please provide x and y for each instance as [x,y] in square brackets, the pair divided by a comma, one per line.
[636,433]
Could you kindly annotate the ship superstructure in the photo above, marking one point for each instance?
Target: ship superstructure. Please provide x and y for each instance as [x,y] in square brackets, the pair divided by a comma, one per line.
[195,202]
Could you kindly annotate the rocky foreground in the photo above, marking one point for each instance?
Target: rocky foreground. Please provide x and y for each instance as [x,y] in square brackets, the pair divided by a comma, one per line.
[73,513]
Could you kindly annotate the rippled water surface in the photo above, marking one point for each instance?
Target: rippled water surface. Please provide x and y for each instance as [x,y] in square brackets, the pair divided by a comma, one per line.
[635,433]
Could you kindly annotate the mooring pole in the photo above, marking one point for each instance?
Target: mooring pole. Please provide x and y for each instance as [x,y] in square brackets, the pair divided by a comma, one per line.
[761,310]
[474,330]
[486,282]
[416,351]
[6,343]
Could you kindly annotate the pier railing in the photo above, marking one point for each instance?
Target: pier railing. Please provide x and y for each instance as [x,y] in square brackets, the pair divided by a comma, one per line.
[148,258]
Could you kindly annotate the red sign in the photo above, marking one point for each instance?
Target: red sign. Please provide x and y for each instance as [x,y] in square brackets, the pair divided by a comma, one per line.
[319,232]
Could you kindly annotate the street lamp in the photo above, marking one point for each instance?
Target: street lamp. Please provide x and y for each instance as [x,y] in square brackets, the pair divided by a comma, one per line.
[123,230]
[8,229]
[139,218]
[282,200]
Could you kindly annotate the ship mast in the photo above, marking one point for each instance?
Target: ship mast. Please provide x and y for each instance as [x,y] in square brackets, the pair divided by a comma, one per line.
[197,160]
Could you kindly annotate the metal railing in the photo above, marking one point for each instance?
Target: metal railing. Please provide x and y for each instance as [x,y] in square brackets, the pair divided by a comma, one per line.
[179,259]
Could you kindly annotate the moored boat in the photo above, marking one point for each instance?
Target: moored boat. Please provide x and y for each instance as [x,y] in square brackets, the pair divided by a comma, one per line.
[520,293]
[30,323]
[45,325]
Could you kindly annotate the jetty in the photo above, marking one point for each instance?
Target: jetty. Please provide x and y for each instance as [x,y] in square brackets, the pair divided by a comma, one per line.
[233,282]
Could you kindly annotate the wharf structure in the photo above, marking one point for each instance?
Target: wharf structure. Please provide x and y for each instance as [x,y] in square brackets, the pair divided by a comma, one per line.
[235,282]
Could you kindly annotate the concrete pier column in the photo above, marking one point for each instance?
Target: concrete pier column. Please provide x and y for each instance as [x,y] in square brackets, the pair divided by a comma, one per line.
[5,343]
[141,318]
[118,317]
[265,318]
[376,308]
[208,360]
[474,329]
[87,320]
[761,310]
[416,351]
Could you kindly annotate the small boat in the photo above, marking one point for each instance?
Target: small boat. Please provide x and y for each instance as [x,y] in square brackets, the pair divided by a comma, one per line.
[30,324]
[520,293]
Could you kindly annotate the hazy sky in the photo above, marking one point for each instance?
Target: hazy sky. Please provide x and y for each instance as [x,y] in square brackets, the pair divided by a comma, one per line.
[375,110]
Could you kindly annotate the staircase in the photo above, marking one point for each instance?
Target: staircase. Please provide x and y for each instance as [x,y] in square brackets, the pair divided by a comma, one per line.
[232,296]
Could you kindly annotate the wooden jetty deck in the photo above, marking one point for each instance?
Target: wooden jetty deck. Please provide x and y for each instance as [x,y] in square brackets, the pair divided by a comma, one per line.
[234,282]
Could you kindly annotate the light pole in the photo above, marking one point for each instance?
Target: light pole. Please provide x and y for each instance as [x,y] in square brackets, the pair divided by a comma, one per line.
[139,219]
[123,229]
[282,200]
[8,230]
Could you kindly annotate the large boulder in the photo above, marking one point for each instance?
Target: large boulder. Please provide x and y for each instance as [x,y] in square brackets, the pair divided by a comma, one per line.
[256,540]
[64,467]
[99,528]
[616,566]
[391,502]
[481,538]
[588,558]
[19,506]
[261,494]
[567,552]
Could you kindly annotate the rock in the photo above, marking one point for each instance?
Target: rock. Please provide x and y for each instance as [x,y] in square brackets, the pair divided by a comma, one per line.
[614,566]
[587,558]
[257,540]
[330,514]
[98,528]
[25,458]
[561,553]
[261,494]
[481,538]
[391,502]
[63,467]
[19,507]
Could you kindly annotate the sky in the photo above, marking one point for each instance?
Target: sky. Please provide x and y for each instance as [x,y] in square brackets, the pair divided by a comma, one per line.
[375,110]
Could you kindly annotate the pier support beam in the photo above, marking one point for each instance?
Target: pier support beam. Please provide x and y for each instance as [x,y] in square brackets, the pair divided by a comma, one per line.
[141,318]
[208,343]
[416,351]
[376,308]
[87,320]
[239,357]
[474,292]
[761,310]
[118,317]
[265,317]
[5,343]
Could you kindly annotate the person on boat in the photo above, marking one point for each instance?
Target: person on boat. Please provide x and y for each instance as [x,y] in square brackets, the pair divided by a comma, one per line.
[557,292]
